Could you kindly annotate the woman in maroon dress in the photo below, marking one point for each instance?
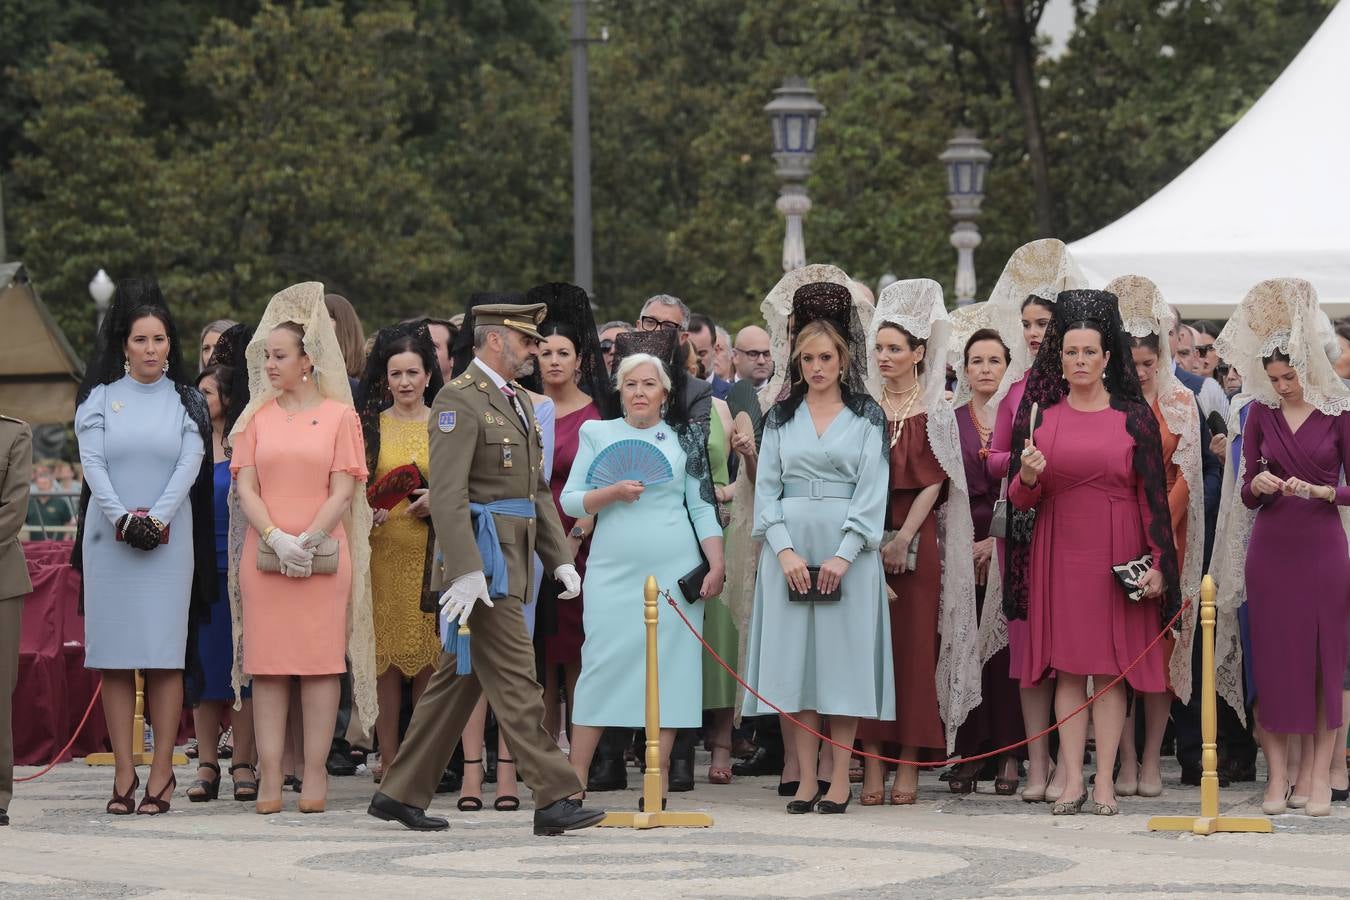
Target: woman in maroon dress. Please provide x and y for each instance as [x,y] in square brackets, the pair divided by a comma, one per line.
[1295,455]
[997,721]
[1093,471]
[572,370]
[933,619]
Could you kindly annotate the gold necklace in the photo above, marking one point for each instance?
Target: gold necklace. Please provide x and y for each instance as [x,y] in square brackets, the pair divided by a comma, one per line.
[900,421]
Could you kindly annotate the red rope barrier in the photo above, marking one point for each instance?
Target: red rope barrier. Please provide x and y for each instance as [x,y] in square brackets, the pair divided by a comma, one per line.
[98,689]
[905,762]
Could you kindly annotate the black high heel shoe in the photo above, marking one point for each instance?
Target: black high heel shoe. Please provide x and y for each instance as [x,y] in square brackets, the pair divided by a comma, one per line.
[801,807]
[470,804]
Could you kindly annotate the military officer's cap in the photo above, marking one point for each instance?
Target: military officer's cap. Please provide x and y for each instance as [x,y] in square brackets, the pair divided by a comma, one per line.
[522,317]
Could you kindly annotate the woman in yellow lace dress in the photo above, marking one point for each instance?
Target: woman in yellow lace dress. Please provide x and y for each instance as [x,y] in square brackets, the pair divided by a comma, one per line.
[401,378]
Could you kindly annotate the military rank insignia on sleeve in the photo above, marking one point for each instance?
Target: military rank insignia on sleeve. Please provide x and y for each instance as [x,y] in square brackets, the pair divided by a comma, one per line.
[446,421]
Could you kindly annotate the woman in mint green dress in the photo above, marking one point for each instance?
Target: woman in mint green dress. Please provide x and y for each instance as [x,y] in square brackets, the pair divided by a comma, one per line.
[820,498]
[640,531]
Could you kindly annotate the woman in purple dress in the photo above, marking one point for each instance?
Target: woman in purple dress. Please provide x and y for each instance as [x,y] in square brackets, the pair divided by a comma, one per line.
[997,721]
[1093,471]
[1295,456]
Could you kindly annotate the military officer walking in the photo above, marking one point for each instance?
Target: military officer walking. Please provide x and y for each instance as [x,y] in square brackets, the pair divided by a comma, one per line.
[492,510]
[16,471]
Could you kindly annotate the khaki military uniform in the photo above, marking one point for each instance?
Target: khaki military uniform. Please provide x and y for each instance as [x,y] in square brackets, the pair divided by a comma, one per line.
[481,452]
[16,472]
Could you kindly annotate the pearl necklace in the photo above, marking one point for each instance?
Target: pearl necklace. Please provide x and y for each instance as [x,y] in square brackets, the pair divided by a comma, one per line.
[899,421]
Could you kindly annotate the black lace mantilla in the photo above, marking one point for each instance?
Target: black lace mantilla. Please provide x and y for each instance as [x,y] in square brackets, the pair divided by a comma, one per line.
[230,352]
[694,443]
[1046,386]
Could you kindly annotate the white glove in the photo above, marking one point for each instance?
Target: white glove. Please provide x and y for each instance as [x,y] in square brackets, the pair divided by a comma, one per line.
[465,591]
[296,561]
[310,540]
[571,581]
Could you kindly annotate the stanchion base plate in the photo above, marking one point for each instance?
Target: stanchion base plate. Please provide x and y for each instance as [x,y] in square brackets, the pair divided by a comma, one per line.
[1211,824]
[663,819]
[138,759]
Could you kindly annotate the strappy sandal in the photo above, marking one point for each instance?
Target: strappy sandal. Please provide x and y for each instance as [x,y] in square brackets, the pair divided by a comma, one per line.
[245,790]
[507,803]
[126,801]
[157,804]
[202,790]
[904,798]
[470,804]
[965,778]
[872,798]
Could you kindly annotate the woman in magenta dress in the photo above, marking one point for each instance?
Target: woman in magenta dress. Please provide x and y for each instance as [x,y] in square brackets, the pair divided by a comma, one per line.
[1020,308]
[1295,455]
[571,367]
[1093,471]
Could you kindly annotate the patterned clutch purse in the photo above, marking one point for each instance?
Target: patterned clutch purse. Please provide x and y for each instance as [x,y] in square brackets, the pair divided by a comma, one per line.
[1129,574]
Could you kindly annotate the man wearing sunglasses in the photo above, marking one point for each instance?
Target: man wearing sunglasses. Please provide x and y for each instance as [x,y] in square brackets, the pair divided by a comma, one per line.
[1206,357]
[608,332]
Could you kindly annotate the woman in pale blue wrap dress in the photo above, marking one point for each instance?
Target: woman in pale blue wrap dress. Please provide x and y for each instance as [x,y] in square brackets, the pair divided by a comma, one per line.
[820,497]
[640,531]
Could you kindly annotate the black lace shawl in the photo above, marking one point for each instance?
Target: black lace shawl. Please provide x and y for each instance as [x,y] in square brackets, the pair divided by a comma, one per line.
[570,316]
[372,393]
[664,344]
[229,351]
[132,297]
[1046,386]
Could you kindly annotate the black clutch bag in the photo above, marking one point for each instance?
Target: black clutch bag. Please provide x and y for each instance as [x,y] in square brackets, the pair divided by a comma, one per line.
[691,585]
[815,595]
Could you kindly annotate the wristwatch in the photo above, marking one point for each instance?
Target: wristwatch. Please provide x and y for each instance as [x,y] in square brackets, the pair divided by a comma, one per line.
[577,532]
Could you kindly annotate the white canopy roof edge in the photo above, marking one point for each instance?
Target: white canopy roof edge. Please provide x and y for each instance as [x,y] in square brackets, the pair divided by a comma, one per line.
[1270,199]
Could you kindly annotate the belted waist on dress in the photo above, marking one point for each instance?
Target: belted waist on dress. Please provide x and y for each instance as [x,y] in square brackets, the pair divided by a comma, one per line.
[818,489]
[489,545]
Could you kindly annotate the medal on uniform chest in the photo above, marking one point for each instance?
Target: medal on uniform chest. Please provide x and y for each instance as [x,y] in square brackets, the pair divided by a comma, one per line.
[487,417]
[506,456]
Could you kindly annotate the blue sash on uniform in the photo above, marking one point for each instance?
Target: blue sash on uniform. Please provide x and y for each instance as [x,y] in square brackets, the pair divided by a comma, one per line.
[489,545]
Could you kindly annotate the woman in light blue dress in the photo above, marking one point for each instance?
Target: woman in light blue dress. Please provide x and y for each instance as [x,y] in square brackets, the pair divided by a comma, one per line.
[640,531]
[145,548]
[820,498]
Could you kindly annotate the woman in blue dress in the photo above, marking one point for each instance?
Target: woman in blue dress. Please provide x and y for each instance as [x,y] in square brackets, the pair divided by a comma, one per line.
[145,546]
[224,385]
[642,530]
[820,500]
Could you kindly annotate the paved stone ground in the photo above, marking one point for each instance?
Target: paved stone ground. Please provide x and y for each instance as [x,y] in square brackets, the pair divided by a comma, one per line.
[63,845]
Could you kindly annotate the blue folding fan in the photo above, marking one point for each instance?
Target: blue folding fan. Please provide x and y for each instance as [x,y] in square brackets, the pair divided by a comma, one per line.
[629,460]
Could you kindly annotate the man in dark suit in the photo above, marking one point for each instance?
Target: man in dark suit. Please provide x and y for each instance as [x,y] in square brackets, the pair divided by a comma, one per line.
[702,333]
[668,313]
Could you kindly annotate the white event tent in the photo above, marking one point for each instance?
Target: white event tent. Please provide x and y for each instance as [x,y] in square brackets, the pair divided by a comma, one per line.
[1270,199]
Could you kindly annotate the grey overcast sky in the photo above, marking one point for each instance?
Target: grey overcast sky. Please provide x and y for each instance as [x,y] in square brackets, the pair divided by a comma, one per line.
[1057,24]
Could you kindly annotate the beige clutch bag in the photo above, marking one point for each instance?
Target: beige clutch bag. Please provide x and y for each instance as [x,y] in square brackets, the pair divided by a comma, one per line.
[325,558]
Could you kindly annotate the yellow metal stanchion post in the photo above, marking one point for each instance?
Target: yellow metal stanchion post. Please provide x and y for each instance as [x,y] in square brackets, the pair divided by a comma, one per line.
[1209,821]
[653,816]
[139,756]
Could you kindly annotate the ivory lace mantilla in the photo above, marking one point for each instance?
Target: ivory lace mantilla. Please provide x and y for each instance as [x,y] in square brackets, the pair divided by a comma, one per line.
[1144,312]
[916,305]
[303,304]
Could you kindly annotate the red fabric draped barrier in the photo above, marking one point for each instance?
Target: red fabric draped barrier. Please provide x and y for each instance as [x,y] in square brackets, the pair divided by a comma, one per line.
[54,687]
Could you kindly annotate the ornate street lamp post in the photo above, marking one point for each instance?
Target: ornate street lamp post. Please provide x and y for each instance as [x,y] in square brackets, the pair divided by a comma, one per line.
[794,113]
[967,163]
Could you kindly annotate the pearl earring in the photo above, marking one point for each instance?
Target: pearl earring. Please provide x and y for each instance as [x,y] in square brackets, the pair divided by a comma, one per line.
[304,377]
